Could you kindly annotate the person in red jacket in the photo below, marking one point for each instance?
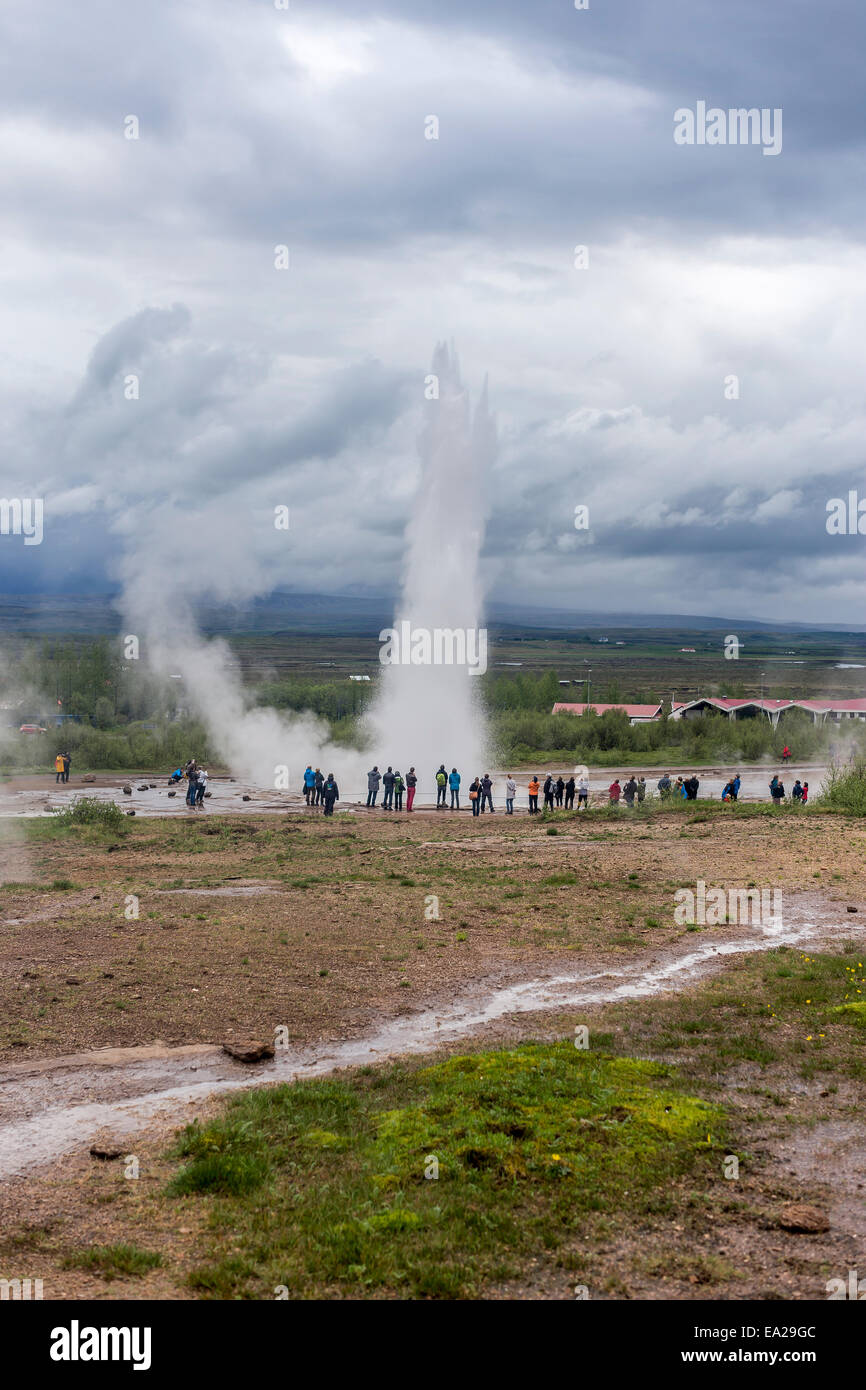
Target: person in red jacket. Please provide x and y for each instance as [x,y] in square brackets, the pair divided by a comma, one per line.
[786,754]
[614,791]
[805,797]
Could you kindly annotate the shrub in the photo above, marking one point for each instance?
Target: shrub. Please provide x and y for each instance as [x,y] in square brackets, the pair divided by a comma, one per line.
[89,810]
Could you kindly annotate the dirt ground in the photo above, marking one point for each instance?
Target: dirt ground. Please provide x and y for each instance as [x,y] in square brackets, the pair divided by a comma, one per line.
[248,923]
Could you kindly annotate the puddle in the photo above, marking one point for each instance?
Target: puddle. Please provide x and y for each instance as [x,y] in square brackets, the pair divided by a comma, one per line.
[51,1108]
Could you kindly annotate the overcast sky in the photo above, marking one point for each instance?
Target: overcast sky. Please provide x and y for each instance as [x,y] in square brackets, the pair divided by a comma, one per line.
[305,127]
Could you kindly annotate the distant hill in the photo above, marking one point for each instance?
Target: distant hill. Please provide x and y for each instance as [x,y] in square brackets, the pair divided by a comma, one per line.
[352,615]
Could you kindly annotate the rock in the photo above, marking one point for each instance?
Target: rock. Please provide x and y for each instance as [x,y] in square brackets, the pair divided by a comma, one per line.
[89,777]
[249,1050]
[802,1218]
[142,788]
[101,1151]
[245,797]
[130,813]
[172,793]
[151,785]
[849,908]
[126,789]
[73,980]
[208,794]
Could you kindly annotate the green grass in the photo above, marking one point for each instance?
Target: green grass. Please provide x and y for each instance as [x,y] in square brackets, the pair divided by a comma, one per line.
[327,1186]
[121,1261]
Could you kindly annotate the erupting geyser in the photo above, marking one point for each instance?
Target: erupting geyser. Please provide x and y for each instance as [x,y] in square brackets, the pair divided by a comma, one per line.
[428,709]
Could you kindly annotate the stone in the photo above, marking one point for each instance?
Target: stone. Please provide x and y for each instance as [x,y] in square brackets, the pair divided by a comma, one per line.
[89,777]
[850,908]
[245,797]
[101,1151]
[126,789]
[172,793]
[249,1050]
[130,813]
[803,1219]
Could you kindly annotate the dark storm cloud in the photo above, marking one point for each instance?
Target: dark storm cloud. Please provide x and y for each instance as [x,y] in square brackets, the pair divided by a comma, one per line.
[260,128]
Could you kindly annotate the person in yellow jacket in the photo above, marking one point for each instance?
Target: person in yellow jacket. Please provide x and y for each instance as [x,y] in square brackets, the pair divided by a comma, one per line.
[59,768]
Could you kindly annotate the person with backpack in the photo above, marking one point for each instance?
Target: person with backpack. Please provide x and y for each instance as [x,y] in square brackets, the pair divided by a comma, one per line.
[777,791]
[309,783]
[641,790]
[318,784]
[569,794]
[454,784]
[664,786]
[510,794]
[374,777]
[330,793]
[735,787]
[441,784]
[487,792]
[548,792]
[533,794]
[201,787]
[192,783]
[475,796]
[797,790]
[583,793]
[614,792]
[398,792]
[388,790]
[411,784]
[629,792]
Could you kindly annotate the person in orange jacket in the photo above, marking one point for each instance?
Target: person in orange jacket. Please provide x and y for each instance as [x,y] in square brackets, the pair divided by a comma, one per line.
[533,795]
[59,768]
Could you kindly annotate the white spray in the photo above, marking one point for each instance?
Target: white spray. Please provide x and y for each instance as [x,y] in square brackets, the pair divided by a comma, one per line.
[429,713]
[424,715]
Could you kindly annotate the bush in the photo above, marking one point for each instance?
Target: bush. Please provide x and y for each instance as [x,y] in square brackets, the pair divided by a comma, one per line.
[89,810]
[845,789]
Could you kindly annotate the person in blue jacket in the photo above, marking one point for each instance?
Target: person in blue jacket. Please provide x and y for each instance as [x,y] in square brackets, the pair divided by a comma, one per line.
[454,784]
[309,784]
[735,787]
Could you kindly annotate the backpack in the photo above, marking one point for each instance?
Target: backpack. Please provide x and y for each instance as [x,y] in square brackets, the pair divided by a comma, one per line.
[440,779]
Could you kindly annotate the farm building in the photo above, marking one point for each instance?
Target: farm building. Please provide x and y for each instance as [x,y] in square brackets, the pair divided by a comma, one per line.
[820,710]
[637,714]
